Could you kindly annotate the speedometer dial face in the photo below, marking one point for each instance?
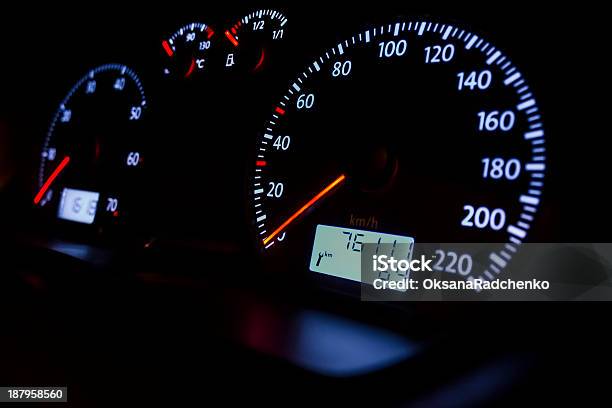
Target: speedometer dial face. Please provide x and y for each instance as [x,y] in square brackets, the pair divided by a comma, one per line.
[419,129]
[94,152]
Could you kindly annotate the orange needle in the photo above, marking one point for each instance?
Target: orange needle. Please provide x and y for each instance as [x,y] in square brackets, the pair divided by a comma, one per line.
[231,38]
[51,179]
[306,206]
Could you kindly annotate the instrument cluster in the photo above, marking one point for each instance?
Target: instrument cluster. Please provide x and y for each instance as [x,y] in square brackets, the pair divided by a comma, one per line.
[294,136]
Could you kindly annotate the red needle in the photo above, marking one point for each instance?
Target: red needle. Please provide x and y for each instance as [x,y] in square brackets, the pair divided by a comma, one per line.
[306,206]
[261,60]
[231,38]
[167,48]
[191,68]
[51,179]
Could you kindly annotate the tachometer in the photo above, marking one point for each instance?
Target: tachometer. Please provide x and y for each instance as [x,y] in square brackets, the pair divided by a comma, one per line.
[415,131]
[94,151]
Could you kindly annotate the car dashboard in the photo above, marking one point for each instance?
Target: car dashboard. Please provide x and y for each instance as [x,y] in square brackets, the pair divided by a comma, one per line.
[189,194]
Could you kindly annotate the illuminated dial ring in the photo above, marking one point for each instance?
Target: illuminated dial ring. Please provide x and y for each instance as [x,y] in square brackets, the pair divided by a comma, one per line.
[505,75]
[251,39]
[185,51]
[94,150]
[65,103]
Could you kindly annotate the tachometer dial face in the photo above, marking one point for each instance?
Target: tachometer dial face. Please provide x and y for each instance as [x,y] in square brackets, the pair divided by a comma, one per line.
[185,52]
[94,152]
[420,130]
[253,42]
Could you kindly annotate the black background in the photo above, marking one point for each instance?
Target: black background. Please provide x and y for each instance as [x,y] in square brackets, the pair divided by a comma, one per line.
[147,321]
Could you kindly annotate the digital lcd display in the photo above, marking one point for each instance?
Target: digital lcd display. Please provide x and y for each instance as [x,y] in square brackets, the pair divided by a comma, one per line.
[337,250]
[78,205]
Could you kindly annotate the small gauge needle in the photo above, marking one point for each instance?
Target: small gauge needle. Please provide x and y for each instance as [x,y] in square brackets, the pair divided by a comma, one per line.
[261,60]
[191,68]
[231,38]
[306,206]
[51,179]
[167,48]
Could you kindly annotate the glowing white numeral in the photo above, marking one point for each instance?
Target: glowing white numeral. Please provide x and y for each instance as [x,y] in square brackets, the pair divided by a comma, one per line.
[494,120]
[498,168]
[305,101]
[119,84]
[66,116]
[480,80]
[276,190]
[438,53]
[282,142]
[135,112]
[482,217]
[90,87]
[133,159]
[392,48]
[112,204]
[341,68]
[51,153]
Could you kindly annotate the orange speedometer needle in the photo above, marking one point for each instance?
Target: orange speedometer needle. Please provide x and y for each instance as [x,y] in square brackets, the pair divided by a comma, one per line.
[305,207]
[51,179]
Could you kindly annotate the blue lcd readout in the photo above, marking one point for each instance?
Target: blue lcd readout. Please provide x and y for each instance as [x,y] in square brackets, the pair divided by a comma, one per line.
[337,251]
[78,206]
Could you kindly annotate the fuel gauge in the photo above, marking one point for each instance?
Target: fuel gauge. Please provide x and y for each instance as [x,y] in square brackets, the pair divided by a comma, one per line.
[253,42]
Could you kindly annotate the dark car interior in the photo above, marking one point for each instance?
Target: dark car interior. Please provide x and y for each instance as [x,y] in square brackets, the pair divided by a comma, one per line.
[173,176]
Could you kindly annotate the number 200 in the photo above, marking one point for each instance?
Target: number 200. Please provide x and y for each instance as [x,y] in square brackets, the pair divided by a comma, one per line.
[483,217]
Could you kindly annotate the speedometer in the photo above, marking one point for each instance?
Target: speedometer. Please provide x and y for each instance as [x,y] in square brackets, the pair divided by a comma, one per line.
[415,131]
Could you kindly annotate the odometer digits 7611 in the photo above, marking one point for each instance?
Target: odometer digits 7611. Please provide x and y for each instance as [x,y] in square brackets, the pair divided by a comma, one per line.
[420,130]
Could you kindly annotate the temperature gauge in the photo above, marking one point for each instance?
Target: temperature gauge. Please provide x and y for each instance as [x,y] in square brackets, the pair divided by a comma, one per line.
[185,52]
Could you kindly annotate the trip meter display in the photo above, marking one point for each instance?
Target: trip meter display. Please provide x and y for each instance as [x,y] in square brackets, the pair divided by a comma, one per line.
[413,129]
[337,251]
[94,152]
